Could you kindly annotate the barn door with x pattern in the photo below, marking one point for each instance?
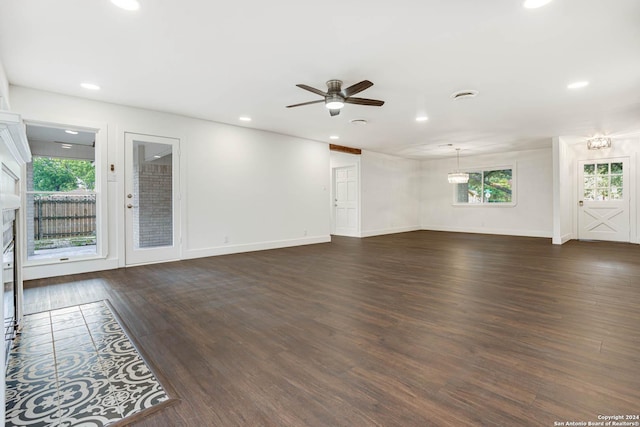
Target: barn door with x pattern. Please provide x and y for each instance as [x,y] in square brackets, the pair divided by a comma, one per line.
[603,199]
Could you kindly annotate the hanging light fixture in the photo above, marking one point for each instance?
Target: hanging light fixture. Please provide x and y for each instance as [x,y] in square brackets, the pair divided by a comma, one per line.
[458,177]
[598,143]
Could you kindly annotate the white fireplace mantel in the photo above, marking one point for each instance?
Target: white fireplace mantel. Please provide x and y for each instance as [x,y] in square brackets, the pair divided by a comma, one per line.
[14,135]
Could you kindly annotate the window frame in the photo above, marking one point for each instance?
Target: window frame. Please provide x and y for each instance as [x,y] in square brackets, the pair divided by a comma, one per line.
[484,204]
[100,191]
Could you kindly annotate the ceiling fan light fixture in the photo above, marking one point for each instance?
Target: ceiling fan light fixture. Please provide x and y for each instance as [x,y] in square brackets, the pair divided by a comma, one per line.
[334,102]
[334,105]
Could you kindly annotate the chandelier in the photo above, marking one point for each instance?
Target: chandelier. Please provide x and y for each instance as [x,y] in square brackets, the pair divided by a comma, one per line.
[458,177]
[598,143]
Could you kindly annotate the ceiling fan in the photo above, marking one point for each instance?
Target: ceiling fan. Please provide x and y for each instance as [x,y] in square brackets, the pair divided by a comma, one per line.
[335,97]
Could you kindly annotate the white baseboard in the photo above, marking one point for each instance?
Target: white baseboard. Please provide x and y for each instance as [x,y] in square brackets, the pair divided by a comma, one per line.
[251,247]
[563,239]
[63,268]
[383,231]
[484,230]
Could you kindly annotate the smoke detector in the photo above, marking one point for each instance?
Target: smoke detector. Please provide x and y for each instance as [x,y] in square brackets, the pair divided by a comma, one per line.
[465,94]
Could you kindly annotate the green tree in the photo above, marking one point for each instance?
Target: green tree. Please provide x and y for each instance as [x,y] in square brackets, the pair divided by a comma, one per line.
[52,174]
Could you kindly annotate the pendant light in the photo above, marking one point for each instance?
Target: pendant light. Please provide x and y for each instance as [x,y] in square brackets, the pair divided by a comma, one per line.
[458,177]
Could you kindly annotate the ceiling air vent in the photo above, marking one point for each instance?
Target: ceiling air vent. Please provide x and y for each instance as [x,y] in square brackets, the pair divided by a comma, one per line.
[358,121]
[465,94]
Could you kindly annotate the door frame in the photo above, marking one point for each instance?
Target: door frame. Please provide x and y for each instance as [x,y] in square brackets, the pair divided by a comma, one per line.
[151,255]
[340,165]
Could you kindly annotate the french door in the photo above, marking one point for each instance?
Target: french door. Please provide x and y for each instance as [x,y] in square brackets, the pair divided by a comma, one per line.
[152,208]
[603,200]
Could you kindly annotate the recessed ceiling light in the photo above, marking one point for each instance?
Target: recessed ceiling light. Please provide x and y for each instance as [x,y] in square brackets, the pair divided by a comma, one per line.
[127,4]
[90,86]
[334,137]
[578,85]
[422,118]
[71,132]
[534,4]
[244,118]
[67,146]
[156,156]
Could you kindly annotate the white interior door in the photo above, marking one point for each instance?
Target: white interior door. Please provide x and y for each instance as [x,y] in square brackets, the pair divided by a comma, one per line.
[603,200]
[345,190]
[152,199]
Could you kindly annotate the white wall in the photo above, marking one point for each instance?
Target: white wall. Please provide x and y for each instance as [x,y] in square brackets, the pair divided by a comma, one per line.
[564,188]
[257,189]
[390,194]
[532,214]
[4,89]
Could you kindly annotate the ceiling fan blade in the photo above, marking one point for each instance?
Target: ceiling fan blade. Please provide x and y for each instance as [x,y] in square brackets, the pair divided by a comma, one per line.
[312,89]
[356,88]
[364,101]
[334,112]
[306,103]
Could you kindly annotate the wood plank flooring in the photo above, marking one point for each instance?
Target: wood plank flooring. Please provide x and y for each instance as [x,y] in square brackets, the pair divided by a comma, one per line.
[413,329]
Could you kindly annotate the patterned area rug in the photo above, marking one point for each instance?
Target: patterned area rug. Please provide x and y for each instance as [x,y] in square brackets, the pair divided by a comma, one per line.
[76,366]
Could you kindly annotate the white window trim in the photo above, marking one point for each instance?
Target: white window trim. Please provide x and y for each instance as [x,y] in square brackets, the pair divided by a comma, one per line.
[514,186]
[100,191]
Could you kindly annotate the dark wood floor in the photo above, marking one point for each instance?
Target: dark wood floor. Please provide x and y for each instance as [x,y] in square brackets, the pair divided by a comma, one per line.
[413,329]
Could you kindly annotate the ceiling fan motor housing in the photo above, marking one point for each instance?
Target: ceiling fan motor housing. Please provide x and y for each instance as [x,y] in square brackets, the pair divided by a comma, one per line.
[334,86]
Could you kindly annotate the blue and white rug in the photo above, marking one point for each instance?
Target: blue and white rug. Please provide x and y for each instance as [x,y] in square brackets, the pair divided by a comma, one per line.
[76,366]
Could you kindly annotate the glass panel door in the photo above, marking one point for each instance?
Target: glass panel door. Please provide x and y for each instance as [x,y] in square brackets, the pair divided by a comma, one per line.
[151,199]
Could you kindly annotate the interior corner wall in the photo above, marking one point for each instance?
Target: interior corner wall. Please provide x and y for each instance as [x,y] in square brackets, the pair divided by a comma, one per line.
[532,214]
[564,188]
[390,194]
[241,189]
[4,89]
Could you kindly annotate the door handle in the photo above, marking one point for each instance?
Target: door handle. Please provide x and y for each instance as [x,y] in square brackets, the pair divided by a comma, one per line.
[580,203]
[129,196]
[131,206]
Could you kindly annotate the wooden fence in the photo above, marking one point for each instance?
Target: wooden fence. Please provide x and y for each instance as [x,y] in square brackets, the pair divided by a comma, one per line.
[57,216]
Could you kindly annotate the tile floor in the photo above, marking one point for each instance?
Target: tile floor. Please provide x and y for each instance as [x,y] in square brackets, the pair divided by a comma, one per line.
[76,366]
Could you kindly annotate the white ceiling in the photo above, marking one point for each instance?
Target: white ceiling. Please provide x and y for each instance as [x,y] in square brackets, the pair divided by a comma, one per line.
[221,60]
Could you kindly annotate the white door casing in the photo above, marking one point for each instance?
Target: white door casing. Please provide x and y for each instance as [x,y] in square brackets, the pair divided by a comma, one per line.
[152,207]
[603,200]
[345,191]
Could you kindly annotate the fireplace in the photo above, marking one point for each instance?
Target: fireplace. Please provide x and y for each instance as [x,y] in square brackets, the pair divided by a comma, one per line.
[14,155]
[9,276]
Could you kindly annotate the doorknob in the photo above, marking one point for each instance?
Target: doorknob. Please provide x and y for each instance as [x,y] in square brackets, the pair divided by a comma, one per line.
[129,196]
[129,205]
[581,203]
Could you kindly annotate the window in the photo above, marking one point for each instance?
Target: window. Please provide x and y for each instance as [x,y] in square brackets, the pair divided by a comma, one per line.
[603,181]
[490,186]
[61,209]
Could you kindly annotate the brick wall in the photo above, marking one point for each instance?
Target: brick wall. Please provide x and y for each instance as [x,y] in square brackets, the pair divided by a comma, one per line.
[153,219]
